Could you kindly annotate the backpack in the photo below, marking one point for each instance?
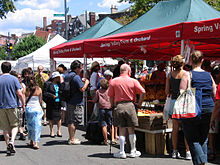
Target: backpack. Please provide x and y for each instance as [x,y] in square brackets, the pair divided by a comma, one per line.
[65,89]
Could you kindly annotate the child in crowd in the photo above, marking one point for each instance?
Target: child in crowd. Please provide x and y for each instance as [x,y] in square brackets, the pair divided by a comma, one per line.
[105,111]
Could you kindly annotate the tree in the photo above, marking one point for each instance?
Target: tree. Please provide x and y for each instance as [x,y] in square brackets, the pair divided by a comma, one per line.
[3,53]
[142,6]
[6,6]
[214,3]
[27,45]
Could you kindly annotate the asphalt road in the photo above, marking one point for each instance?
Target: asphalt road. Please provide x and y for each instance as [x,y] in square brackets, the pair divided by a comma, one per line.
[56,151]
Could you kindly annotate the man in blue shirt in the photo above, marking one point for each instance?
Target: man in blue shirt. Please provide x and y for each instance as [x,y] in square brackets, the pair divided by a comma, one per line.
[10,88]
[75,107]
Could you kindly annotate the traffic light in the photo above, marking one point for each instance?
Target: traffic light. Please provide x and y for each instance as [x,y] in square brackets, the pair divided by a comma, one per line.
[9,47]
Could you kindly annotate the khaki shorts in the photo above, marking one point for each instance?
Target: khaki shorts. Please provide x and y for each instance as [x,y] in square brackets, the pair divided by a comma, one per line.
[8,118]
[125,115]
[75,114]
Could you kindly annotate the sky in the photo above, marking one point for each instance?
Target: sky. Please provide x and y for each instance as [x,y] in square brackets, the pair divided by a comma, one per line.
[30,13]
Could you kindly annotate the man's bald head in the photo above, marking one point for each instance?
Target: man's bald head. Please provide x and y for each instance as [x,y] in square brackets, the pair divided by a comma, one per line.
[40,68]
[125,68]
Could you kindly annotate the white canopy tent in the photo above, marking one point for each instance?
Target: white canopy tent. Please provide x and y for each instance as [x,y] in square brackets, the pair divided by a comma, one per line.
[40,56]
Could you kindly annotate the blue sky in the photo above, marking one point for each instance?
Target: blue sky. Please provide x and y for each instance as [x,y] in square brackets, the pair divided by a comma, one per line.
[30,13]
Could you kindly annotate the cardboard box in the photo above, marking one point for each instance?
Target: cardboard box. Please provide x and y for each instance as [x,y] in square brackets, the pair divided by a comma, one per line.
[152,121]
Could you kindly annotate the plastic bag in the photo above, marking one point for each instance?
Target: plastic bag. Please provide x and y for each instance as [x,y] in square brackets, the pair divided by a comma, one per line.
[166,109]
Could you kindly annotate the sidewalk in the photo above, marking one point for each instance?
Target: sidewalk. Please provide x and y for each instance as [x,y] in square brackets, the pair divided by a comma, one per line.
[56,151]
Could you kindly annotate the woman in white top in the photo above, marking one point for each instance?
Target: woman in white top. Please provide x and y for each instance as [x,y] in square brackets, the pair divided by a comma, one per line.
[33,111]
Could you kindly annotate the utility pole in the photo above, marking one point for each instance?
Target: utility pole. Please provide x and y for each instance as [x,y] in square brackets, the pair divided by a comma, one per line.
[86,20]
[65,9]
[9,52]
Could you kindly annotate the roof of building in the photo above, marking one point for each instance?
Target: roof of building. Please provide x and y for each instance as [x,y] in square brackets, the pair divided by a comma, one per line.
[42,34]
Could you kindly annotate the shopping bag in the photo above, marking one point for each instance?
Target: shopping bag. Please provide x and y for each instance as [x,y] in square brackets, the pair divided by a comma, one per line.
[166,109]
[186,106]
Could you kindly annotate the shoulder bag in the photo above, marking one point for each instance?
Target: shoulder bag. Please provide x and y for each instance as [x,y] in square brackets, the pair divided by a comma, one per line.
[185,106]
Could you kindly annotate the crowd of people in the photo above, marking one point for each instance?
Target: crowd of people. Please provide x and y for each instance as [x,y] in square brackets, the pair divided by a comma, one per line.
[30,100]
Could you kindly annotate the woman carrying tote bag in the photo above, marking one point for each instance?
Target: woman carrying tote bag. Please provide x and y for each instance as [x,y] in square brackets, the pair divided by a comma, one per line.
[172,90]
[196,129]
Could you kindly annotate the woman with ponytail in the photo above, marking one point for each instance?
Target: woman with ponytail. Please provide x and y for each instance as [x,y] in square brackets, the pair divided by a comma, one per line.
[34,112]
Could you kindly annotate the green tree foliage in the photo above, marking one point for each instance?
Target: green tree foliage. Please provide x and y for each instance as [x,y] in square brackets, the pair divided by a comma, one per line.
[214,3]
[6,6]
[142,6]
[3,53]
[27,45]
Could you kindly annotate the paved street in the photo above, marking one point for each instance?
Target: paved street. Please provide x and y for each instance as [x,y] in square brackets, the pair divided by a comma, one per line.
[55,151]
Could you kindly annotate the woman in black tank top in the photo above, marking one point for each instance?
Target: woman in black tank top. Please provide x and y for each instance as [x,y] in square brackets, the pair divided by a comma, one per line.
[172,90]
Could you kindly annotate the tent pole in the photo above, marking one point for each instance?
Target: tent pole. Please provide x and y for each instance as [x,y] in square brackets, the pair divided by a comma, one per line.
[182,47]
[51,65]
[33,62]
[85,93]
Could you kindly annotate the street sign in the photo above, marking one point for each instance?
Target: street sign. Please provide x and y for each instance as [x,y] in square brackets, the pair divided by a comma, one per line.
[58,15]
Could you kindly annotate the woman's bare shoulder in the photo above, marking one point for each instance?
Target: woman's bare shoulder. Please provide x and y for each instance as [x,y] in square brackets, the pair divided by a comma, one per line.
[38,90]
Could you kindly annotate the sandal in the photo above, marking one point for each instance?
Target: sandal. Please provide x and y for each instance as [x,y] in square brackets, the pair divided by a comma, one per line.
[114,141]
[59,135]
[36,147]
[104,143]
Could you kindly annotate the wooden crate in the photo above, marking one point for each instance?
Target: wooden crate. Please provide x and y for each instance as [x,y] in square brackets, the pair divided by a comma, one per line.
[152,122]
[155,144]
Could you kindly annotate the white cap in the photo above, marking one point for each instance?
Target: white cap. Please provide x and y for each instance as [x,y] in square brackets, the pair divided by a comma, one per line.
[145,68]
[108,73]
[55,74]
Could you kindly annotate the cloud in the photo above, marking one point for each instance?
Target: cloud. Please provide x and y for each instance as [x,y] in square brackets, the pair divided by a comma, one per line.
[25,20]
[109,3]
[41,4]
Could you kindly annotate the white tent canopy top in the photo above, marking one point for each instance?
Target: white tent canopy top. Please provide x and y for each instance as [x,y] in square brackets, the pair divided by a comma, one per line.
[40,56]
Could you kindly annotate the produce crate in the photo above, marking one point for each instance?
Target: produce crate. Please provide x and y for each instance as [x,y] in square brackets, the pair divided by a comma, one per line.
[155,144]
[152,121]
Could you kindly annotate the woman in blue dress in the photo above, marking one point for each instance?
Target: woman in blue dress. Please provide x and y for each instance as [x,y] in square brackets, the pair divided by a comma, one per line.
[33,110]
[196,129]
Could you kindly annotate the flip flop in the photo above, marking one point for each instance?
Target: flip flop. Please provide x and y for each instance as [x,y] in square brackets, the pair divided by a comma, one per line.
[35,147]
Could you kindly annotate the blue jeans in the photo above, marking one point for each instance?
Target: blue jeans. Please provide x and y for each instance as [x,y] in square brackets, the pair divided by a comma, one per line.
[105,117]
[196,132]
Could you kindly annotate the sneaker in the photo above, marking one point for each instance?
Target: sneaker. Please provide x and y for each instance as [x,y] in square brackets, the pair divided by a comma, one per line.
[134,154]
[188,155]
[74,142]
[119,154]
[175,155]
[11,147]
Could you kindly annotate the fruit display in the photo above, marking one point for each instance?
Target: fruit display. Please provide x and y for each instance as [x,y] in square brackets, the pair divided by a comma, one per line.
[146,112]
[150,120]
[155,92]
